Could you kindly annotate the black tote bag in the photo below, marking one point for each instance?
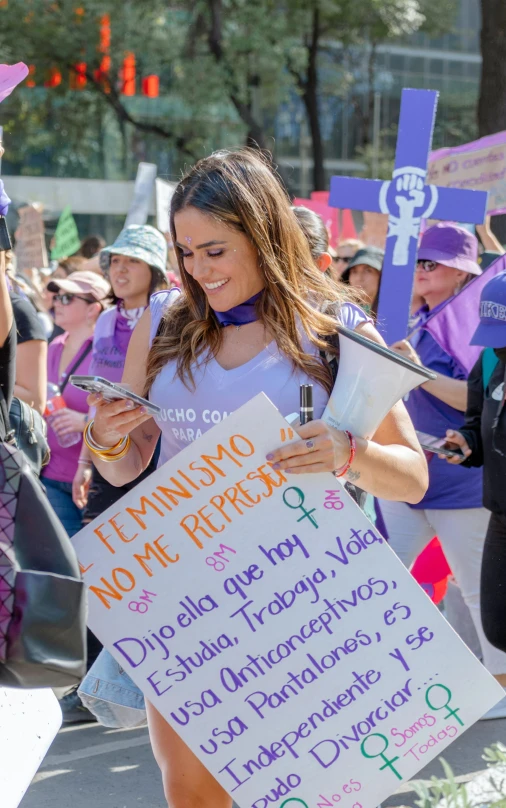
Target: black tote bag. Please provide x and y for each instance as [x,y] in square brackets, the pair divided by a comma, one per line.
[42,596]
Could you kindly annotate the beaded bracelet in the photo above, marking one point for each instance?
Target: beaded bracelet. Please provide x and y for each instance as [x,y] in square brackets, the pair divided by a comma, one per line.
[353,450]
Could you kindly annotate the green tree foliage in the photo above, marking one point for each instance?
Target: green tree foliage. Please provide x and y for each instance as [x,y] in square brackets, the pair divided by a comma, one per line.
[59,34]
[234,61]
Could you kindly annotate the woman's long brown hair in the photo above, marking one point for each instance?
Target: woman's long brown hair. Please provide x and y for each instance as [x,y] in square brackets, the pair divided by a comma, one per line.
[241,190]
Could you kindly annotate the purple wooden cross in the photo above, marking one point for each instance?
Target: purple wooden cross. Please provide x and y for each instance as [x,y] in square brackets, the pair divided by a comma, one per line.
[407,200]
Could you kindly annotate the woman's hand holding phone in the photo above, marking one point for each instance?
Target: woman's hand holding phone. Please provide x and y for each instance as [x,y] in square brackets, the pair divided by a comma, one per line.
[115,419]
[455,440]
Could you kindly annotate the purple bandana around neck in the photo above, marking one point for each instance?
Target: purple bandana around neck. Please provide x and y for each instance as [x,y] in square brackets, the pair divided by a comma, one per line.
[240,315]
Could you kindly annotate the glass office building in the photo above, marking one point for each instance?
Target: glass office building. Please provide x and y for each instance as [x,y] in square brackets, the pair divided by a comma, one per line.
[450,64]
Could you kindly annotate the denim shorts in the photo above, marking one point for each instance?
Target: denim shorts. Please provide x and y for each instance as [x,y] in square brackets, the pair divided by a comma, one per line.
[59,495]
[109,693]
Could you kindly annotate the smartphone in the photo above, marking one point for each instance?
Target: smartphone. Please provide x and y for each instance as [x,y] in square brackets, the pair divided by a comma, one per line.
[437,445]
[112,391]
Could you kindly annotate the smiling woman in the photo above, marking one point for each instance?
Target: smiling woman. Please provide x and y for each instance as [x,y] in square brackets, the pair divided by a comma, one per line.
[218,264]
[136,267]
[78,302]
[252,307]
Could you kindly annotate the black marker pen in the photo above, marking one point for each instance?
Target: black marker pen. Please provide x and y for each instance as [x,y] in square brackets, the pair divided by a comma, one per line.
[306,403]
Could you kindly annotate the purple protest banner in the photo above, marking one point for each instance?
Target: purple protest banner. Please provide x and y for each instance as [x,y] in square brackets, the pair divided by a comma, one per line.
[454,324]
[407,200]
[10,77]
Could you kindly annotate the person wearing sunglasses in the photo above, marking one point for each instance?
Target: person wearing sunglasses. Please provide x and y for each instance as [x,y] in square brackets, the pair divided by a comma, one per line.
[452,508]
[78,301]
[343,254]
[482,441]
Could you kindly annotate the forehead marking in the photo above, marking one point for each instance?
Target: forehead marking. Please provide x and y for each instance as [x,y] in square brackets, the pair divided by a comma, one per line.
[188,239]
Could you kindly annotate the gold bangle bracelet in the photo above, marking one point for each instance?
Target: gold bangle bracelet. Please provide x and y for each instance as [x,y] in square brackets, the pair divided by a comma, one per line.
[109,458]
[94,447]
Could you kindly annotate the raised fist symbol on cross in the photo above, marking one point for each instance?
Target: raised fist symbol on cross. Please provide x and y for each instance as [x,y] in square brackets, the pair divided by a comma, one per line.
[409,196]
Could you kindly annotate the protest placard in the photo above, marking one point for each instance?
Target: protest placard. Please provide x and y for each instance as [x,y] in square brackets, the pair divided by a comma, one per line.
[478,166]
[66,237]
[164,191]
[30,246]
[327,214]
[30,721]
[272,626]
[374,230]
[144,186]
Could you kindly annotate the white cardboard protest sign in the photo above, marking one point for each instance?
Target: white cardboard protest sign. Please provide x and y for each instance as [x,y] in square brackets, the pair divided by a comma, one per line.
[30,246]
[274,629]
[477,166]
[30,721]
[164,192]
[144,185]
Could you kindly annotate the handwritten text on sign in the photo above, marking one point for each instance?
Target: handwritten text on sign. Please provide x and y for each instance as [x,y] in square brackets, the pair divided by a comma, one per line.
[267,620]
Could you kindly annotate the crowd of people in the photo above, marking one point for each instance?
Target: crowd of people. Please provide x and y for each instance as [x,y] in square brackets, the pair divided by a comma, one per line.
[260,291]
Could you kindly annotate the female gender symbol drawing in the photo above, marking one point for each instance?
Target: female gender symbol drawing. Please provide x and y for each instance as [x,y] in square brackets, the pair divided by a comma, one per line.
[300,504]
[451,713]
[388,762]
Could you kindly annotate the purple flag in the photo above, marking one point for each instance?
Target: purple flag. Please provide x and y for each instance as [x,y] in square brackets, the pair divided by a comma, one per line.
[454,325]
[10,77]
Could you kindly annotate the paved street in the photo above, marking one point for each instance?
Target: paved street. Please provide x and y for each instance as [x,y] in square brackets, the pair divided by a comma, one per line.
[89,765]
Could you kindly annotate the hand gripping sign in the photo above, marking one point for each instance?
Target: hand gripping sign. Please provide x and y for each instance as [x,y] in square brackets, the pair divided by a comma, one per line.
[280,637]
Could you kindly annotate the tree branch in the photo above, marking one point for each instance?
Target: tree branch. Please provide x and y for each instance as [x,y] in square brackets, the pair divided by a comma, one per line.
[113,99]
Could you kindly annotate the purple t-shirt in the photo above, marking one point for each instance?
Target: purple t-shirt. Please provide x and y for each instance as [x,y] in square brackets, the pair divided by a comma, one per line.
[112,335]
[450,487]
[187,414]
[63,463]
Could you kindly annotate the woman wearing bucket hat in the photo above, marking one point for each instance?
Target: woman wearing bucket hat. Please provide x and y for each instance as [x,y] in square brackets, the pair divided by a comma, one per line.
[452,508]
[135,265]
[482,440]
[363,273]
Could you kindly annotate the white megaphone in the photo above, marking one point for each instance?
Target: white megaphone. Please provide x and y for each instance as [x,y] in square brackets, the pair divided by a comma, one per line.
[371,379]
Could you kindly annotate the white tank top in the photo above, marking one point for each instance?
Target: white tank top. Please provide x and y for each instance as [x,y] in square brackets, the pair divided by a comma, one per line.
[187,414]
